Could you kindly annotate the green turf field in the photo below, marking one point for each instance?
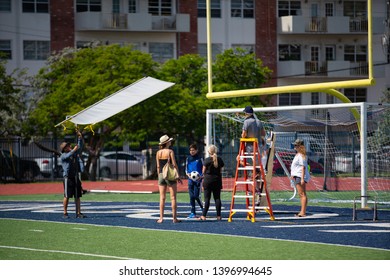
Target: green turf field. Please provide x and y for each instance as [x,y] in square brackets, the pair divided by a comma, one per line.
[37,240]
[32,240]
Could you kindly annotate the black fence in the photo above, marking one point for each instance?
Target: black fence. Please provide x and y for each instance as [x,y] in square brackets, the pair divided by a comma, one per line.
[28,161]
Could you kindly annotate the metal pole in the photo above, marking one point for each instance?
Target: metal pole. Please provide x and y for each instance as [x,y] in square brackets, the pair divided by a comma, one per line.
[363,154]
[209,49]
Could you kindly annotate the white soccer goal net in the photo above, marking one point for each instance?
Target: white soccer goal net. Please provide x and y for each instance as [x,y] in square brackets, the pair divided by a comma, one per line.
[348,146]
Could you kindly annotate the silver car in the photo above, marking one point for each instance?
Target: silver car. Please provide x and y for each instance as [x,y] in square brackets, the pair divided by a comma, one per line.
[119,164]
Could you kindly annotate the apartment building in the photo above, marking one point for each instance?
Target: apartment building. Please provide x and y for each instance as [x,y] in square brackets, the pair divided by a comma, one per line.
[306,41]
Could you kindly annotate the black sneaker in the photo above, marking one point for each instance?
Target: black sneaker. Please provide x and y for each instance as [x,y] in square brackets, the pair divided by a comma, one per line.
[81,216]
[66,216]
[85,191]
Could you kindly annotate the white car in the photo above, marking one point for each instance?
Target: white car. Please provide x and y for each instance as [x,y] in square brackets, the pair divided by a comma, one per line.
[47,167]
[375,163]
[118,164]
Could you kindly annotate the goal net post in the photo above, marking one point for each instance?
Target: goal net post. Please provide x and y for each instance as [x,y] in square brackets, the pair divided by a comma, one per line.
[348,148]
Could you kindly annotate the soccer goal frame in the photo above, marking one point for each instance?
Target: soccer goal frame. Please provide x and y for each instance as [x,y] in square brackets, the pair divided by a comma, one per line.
[358,115]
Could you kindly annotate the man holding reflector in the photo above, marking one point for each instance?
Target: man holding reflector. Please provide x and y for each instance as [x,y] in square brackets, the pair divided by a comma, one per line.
[72,184]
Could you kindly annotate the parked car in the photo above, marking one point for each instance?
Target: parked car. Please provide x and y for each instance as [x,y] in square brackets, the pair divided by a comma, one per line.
[15,168]
[114,164]
[350,163]
[287,157]
[48,166]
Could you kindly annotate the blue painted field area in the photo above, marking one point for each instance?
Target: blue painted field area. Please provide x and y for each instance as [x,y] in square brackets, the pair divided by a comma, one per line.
[322,225]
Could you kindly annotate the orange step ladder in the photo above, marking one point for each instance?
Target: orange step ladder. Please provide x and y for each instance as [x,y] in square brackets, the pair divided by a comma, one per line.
[250,183]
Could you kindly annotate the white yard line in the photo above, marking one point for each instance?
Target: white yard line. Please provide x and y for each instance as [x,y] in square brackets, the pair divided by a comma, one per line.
[64,252]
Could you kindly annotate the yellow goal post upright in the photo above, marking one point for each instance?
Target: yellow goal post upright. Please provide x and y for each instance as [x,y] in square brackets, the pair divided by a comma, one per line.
[326,87]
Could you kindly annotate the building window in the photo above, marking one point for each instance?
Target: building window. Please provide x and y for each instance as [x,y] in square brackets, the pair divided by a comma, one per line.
[357,56]
[161,52]
[315,98]
[289,52]
[88,6]
[160,7]
[5,5]
[36,50]
[355,53]
[116,7]
[330,53]
[242,8]
[356,94]
[35,6]
[287,99]
[215,8]
[355,9]
[329,99]
[329,9]
[289,8]
[5,49]
[215,50]
[132,6]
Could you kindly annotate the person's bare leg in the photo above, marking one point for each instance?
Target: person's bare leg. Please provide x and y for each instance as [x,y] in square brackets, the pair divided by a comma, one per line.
[163,193]
[65,204]
[303,198]
[173,193]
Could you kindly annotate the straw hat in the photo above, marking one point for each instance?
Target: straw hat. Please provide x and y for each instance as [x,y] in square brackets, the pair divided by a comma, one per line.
[165,139]
[63,145]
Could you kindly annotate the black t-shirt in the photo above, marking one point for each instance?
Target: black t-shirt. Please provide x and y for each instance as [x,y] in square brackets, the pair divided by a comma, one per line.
[212,174]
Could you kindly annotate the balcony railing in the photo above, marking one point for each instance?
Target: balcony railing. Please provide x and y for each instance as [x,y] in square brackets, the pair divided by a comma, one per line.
[328,25]
[358,25]
[320,68]
[316,68]
[115,21]
[163,23]
[86,21]
[317,24]
[359,68]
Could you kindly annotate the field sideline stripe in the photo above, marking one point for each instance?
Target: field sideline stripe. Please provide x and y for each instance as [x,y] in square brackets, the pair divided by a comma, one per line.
[63,252]
[207,233]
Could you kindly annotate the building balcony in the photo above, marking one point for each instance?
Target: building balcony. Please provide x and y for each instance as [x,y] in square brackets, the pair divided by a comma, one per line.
[326,25]
[331,69]
[94,21]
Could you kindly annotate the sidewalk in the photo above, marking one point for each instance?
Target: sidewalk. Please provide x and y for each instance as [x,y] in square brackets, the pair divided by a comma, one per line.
[98,186]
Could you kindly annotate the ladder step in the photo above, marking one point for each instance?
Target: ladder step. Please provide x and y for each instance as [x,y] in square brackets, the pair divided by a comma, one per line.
[250,209]
[249,157]
[259,208]
[241,210]
[243,196]
[250,182]
[244,182]
[247,168]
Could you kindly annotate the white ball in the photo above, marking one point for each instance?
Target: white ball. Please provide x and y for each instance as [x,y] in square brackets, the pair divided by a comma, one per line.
[195,175]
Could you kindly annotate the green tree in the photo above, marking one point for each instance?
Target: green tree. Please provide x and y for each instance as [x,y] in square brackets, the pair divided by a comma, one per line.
[13,101]
[237,69]
[75,79]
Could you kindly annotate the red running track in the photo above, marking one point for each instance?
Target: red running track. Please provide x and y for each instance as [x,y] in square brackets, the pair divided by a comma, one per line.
[278,183]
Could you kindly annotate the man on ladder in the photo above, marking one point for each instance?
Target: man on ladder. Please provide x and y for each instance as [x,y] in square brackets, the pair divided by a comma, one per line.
[253,128]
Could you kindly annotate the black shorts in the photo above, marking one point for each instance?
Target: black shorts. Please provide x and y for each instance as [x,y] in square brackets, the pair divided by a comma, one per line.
[72,187]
